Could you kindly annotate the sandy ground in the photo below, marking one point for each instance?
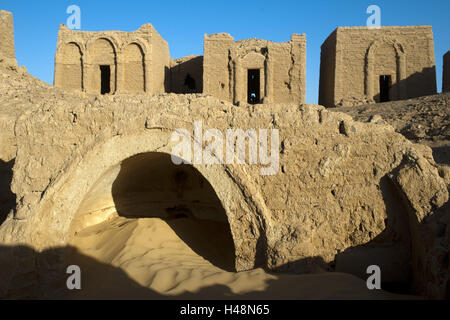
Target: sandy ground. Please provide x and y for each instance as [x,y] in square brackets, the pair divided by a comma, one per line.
[149,260]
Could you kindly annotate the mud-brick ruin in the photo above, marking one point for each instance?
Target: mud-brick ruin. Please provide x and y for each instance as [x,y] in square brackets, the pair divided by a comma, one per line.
[112,61]
[446,73]
[7,50]
[346,194]
[362,65]
[358,65]
[254,71]
[247,71]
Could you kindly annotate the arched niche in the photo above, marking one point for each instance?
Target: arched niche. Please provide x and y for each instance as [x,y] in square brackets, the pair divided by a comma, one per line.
[69,67]
[385,57]
[133,69]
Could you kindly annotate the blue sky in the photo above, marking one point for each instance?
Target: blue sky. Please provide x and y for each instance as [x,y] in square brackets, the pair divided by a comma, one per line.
[183,24]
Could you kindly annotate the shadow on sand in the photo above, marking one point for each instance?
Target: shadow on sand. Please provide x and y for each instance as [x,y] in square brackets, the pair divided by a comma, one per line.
[27,274]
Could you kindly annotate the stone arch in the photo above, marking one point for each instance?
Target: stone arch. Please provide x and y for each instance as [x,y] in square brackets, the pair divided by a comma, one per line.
[69,66]
[108,37]
[371,63]
[133,59]
[248,219]
[101,53]
[138,41]
[74,40]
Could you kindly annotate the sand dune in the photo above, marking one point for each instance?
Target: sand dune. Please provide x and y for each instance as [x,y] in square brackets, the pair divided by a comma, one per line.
[151,252]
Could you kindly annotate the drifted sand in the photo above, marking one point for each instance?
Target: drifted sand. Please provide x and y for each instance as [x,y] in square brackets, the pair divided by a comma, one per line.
[147,259]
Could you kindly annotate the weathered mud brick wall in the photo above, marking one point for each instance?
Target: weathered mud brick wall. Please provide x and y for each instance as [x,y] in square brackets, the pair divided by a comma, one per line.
[7,35]
[112,61]
[254,70]
[446,73]
[360,65]
[7,148]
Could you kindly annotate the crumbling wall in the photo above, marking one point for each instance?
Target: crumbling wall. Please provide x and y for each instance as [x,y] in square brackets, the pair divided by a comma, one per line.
[7,50]
[289,65]
[186,75]
[327,199]
[281,68]
[217,71]
[327,71]
[341,189]
[362,55]
[7,120]
[159,64]
[446,73]
[328,203]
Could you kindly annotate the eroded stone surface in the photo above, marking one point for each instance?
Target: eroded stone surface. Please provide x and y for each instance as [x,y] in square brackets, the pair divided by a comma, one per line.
[340,184]
[344,192]
[7,49]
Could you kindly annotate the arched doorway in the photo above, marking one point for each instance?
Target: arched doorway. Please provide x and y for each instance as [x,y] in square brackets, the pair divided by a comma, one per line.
[150,186]
[385,71]
[102,67]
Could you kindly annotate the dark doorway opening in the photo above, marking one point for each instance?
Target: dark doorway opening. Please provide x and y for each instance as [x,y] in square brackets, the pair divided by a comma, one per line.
[189,82]
[385,85]
[105,72]
[253,86]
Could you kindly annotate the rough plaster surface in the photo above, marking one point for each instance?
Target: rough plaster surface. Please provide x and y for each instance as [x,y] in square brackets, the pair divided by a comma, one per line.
[7,50]
[343,188]
[353,58]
